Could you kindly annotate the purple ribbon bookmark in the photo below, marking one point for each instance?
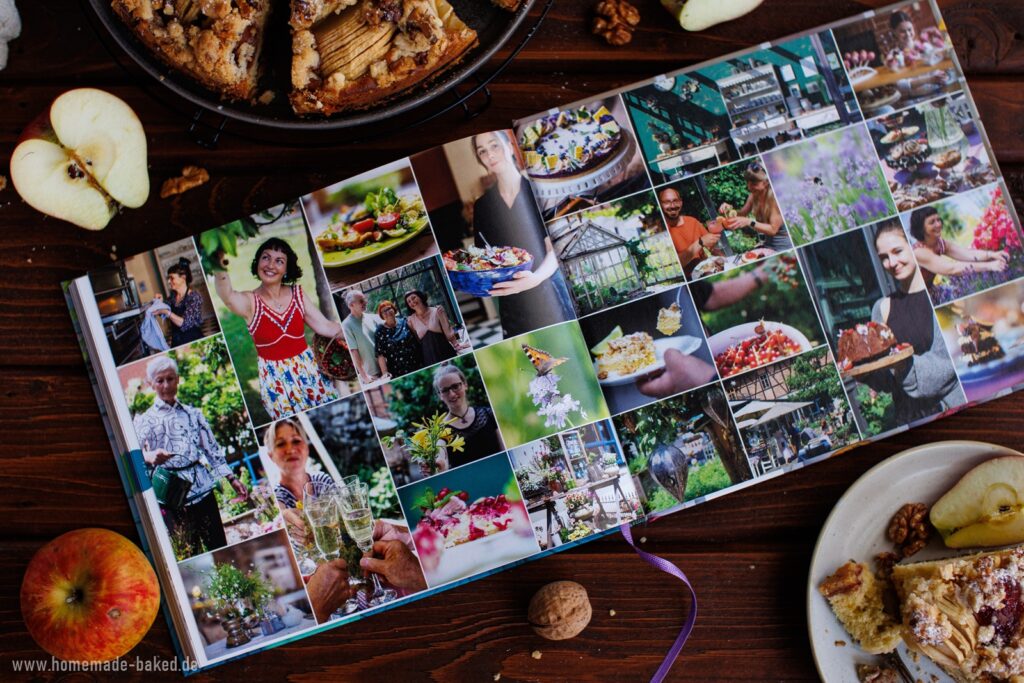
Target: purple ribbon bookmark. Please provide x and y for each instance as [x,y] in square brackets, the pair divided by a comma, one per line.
[691,617]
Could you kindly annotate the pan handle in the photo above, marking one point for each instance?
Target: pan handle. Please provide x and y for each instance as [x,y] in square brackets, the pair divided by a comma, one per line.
[203,133]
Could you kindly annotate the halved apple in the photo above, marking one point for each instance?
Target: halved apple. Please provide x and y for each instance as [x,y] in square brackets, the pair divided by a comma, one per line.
[984,508]
[82,158]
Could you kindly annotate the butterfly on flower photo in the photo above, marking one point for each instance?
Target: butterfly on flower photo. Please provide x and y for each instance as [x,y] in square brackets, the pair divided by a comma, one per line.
[541,383]
[543,362]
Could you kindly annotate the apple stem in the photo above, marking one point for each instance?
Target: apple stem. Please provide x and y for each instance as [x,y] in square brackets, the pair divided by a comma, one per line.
[76,596]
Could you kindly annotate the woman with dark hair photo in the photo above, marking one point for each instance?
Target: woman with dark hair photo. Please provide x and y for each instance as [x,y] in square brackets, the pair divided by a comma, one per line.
[926,383]
[276,314]
[431,325]
[506,215]
[939,257]
[186,306]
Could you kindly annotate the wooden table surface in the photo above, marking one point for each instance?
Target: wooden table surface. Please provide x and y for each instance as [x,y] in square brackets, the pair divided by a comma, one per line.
[747,553]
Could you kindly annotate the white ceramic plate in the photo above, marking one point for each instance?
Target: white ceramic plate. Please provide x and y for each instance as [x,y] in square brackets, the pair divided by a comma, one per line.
[683,344]
[856,530]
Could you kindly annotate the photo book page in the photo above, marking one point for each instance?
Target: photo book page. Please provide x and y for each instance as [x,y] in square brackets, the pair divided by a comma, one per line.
[519,341]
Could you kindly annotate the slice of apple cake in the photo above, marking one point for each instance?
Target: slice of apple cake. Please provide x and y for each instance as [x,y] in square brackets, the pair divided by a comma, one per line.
[217,42]
[351,54]
[965,613]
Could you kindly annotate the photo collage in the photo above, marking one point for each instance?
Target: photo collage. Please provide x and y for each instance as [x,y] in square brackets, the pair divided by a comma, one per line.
[516,341]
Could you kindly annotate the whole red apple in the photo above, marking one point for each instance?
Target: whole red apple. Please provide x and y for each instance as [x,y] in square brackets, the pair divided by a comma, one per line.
[89,595]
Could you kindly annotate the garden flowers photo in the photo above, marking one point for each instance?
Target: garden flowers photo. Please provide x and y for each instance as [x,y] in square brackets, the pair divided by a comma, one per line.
[830,184]
[541,383]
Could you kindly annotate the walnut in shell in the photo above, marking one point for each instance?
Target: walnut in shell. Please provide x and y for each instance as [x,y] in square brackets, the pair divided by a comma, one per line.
[560,610]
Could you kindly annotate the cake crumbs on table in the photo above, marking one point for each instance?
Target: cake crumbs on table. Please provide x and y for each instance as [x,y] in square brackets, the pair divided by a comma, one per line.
[643,539]
[3,183]
[611,613]
[536,654]
[497,676]
[840,643]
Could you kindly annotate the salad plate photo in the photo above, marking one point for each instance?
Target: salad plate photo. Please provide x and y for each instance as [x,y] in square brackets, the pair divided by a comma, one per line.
[385,220]
[475,270]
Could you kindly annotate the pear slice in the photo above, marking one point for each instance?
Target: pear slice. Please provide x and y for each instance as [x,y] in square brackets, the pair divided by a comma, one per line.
[985,508]
[697,15]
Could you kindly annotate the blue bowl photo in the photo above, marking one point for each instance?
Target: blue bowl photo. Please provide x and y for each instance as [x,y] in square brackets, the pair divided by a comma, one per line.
[480,282]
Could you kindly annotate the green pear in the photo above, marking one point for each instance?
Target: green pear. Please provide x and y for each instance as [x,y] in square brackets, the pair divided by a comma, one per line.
[984,508]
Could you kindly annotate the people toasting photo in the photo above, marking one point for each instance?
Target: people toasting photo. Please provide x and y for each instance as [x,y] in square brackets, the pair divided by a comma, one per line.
[276,314]
[333,585]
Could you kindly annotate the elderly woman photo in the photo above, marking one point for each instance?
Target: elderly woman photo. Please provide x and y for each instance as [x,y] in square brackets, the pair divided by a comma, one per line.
[178,438]
[277,314]
[398,348]
[475,424]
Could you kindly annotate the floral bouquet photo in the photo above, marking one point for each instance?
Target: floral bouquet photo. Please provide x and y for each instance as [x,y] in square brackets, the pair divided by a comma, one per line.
[427,446]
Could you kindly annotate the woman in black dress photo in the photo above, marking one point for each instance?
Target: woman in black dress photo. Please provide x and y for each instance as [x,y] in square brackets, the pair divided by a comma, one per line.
[926,383]
[506,215]
[475,424]
[398,348]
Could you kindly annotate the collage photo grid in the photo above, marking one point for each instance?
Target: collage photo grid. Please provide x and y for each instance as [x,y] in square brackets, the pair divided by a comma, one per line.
[519,340]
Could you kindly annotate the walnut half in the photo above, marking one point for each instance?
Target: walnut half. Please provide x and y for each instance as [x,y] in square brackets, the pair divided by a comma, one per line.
[615,21]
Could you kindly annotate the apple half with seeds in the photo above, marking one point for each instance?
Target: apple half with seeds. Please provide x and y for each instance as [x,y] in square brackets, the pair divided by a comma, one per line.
[82,158]
[985,508]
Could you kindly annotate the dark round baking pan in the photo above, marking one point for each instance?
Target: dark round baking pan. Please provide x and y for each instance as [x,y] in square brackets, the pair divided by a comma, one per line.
[494,27]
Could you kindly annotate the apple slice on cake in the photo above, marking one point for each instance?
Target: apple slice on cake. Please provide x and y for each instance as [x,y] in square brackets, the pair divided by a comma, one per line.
[351,55]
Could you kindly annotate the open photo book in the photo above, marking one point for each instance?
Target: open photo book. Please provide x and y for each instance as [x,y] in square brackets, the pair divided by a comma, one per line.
[512,343]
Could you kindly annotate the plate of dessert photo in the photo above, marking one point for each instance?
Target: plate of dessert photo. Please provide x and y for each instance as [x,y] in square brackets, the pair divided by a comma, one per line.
[919,565]
[986,355]
[750,345]
[573,151]
[869,347]
[383,221]
[623,358]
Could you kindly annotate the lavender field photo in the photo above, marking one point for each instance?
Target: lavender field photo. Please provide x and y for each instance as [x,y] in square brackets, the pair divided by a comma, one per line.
[829,184]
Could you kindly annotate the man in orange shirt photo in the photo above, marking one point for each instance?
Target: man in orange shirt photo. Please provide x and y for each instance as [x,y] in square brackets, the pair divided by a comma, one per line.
[689,236]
